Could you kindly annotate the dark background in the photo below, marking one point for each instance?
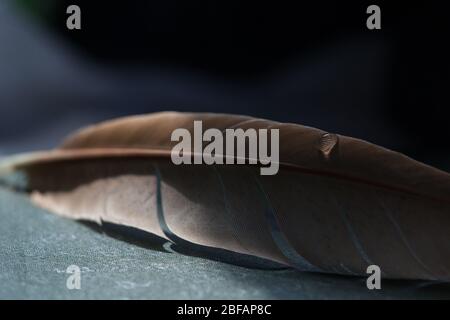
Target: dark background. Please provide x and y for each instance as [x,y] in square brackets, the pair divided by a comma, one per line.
[313,63]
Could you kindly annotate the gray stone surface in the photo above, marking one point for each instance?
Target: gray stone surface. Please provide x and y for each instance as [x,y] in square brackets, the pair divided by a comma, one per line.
[36,247]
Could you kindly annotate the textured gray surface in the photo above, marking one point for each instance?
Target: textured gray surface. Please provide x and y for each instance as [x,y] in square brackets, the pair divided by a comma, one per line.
[36,248]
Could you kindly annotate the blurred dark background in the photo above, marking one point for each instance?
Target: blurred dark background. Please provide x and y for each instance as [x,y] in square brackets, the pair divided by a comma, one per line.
[313,63]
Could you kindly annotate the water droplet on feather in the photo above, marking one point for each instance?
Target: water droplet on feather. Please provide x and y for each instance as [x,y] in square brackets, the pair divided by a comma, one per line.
[327,144]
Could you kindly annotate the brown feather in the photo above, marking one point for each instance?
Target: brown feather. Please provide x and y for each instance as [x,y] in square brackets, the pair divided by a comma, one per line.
[338,204]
